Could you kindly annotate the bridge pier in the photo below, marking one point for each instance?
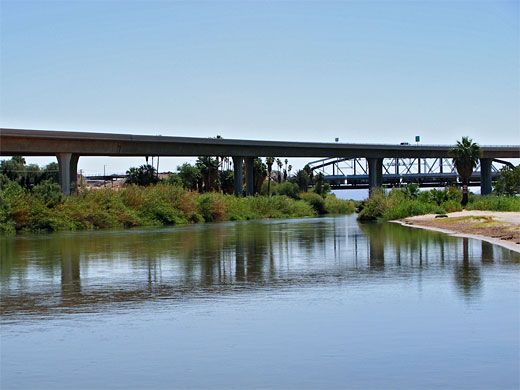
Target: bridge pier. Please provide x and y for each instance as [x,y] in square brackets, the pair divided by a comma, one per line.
[68,172]
[485,176]
[375,172]
[237,169]
[250,182]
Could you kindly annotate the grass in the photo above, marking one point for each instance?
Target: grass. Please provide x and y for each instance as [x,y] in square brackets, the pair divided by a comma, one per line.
[494,203]
[44,209]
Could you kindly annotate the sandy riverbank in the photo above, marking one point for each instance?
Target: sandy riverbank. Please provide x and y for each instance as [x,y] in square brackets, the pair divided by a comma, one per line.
[501,228]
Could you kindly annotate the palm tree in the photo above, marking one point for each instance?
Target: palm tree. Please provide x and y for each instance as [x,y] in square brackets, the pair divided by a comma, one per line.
[208,168]
[279,163]
[269,161]
[289,169]
[465,158]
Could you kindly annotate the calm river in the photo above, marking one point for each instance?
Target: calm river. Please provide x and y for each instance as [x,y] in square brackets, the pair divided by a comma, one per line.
[303,303]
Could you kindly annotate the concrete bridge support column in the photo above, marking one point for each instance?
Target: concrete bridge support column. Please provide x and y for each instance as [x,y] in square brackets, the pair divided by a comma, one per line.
[485,175]
[250,182]
[237,168]
[375,172]
[68,175]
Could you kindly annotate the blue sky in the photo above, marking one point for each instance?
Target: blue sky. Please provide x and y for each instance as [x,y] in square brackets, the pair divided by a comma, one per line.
[310,71]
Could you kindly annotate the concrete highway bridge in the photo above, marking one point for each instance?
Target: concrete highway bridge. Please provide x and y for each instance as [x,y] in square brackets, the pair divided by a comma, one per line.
[69,146]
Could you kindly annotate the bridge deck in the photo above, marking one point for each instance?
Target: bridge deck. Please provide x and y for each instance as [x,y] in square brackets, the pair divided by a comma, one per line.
[45,143]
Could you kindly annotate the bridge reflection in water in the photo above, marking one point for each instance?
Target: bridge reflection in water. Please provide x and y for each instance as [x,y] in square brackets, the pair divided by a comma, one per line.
[47,275]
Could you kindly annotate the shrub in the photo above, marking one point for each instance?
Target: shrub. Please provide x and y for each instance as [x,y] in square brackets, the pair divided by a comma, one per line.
[212,207]
[315,200]
[508,183]
[375,205]
[174,179]
[189,175]
[49,192]
[288,189]
[334,205]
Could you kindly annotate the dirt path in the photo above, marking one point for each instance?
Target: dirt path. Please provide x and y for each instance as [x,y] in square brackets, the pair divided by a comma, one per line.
[501,228]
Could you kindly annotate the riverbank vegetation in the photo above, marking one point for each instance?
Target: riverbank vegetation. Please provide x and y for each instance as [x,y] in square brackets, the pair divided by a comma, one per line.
[44,208]
[408,201]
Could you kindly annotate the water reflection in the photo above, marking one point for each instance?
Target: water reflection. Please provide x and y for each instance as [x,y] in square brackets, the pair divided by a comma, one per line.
[91,271]
[467,275]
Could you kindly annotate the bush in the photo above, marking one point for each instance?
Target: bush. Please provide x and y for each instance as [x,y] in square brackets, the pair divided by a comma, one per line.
[288,189]
[316,201]
[508,183]
[334,205]
[49,192]
[212,208]
[375,206]
[174,179]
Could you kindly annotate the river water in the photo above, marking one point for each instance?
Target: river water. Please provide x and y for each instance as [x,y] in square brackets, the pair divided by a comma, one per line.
[303,303]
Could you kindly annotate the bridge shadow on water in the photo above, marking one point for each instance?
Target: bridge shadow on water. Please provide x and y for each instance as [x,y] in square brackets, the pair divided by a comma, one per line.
[51,274]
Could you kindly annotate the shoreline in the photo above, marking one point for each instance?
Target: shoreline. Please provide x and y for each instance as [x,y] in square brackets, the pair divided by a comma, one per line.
[460,226]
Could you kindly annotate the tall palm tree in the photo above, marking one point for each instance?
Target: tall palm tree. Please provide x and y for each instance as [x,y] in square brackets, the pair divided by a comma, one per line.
[208,168]
[269,161]
[279,163]
[465,158]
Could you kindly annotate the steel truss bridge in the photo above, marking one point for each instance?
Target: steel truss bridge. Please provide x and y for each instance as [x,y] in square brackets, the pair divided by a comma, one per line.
[353,173]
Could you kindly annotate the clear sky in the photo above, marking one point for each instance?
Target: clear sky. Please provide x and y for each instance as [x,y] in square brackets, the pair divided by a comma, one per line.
[367,71]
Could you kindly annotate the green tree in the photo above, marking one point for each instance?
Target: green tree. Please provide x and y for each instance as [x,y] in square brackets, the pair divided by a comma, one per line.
[308,170]
[465,157]
[14,168]
[320,187]
[302,179]
[508,183]
[189,175]
[51,172]
[142,176]
[174,179]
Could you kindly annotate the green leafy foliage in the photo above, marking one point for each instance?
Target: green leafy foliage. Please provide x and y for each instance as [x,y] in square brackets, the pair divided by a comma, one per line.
[227,181]
[173,179]
[316,201]
[145,175]
[466,154]
[44,208]
[302,179]
[286,188]
[398,203]
[508,183]
[30,175]
[334,205]
[189,175]
[494,203]
[320,187]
